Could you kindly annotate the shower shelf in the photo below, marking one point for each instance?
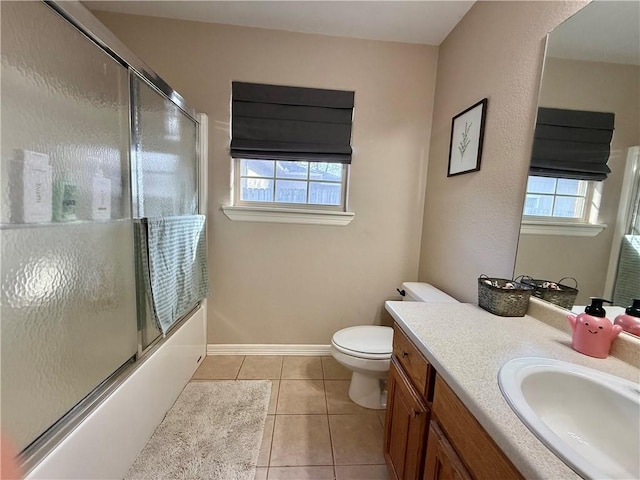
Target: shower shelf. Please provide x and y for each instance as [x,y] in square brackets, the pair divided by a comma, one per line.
[20,226]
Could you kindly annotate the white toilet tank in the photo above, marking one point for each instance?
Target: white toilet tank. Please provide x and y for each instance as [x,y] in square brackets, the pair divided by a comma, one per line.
[424,292]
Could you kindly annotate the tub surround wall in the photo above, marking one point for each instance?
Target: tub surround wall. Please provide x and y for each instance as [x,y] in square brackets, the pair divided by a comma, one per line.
[298,284]
[472,221]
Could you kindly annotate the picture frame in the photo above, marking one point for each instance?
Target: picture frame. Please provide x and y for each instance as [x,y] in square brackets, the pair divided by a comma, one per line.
[467,134]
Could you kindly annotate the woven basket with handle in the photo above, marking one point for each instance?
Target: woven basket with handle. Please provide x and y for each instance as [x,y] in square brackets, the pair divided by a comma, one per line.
[494,297]
[564,296]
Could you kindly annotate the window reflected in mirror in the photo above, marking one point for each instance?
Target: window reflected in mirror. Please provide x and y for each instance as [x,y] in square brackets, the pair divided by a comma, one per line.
[583,222]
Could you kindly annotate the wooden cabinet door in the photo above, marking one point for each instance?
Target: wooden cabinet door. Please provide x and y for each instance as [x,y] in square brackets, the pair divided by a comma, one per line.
[482,457]
[442,462]
[405,426]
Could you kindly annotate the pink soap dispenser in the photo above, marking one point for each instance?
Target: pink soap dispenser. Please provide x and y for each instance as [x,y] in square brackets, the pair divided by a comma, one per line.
[630,319]
[592,332]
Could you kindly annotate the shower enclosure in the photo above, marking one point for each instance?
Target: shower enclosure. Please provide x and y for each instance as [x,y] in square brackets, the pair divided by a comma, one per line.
[92,140]
[623,276]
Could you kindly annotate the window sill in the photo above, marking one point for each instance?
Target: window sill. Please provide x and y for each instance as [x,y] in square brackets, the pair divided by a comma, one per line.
[287,215]
[531,227]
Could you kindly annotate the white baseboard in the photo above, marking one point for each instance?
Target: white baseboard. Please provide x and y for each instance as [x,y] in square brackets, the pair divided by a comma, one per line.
[268,349]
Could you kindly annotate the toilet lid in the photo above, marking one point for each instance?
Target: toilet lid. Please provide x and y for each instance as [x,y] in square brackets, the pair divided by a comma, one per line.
[365,339]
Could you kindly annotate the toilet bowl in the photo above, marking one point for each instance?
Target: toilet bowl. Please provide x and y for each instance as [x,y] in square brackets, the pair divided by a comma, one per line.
[366,349]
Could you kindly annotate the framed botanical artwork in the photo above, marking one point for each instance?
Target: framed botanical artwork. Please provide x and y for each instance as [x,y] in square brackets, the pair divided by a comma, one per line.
[467,132]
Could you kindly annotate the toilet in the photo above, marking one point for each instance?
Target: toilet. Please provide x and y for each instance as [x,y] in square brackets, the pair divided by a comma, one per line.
[366,349]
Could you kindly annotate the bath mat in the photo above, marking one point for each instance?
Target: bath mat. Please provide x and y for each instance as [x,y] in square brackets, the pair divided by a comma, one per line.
[213,431]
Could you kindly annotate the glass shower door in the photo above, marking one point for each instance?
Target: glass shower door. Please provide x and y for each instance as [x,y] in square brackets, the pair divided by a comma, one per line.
[67,305]
[627,279]
[166,165]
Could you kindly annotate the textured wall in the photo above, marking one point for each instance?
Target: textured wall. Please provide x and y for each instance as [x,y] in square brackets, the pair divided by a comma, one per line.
[599,87]
[472,221]
[277,283]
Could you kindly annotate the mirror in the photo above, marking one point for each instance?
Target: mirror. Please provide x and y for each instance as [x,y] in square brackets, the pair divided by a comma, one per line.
[592,64]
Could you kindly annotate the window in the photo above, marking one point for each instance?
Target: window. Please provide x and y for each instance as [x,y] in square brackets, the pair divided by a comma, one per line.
[558,198]
[561,206]
[297,184]
[291,151]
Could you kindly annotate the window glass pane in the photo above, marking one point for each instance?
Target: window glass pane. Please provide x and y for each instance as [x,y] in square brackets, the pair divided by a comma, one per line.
[256,168]
[572,187]
[288,191]
[541,185]
[295,170]
[325,193]
[568,207]
[256,190]
[279,181]
[331,172]
[538,205]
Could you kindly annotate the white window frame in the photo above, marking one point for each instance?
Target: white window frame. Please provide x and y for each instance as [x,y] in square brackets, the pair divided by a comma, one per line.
[571,226]
[280,212]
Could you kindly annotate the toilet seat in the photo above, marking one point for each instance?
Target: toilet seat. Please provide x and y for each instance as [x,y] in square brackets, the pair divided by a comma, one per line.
[366,351]
[365,341]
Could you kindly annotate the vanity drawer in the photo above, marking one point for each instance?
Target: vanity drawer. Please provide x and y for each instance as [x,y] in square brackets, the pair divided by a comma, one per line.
[412,361]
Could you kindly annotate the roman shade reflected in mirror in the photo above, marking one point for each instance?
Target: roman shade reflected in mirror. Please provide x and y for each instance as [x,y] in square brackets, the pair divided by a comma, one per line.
[592,65]
[572,144]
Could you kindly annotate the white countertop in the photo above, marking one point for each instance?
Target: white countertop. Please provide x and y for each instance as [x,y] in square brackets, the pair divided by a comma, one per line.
[468,346]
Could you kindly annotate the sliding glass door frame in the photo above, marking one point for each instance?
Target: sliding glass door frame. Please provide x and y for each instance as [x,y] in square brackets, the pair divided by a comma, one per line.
[81,18]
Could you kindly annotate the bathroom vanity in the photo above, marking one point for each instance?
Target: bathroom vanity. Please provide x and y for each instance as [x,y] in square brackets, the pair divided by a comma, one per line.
[446,417]
[420,409]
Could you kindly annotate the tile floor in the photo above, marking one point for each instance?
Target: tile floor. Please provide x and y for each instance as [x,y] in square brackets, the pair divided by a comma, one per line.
[313,430]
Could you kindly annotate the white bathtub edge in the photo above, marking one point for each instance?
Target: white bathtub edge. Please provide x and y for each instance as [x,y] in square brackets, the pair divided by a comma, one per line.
[107,442]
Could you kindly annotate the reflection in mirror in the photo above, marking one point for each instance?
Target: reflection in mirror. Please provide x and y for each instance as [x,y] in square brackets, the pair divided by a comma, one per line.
[581,216]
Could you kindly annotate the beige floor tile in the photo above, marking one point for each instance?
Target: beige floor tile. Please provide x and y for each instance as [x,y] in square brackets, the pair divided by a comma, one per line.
[265,447]
[332,370]
[362,472]
[300,440]
[381,415]
[219,367]
[301,473]
[261,473]
[302,368]
[261,367]
[338,401]
[356,439]
[273,401]
[301,397]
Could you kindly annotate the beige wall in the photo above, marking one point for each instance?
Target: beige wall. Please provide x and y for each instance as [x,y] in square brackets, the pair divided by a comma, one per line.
[471,221]
[277,283]
[600,87]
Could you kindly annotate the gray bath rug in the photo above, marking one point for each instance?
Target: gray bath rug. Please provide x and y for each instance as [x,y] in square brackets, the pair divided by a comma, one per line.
[213,431]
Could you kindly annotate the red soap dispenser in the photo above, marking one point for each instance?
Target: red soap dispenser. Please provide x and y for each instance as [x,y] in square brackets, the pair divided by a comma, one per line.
[630,319]
[592,332]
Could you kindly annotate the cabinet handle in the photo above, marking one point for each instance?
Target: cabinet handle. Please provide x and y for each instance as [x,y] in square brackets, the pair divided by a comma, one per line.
[415,413]
[404,354]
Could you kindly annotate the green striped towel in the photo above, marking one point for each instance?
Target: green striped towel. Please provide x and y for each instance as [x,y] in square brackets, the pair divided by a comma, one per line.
[173,257]
[628,277]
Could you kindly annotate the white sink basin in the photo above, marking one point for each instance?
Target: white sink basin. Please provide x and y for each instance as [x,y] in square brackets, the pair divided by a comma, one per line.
[591,420]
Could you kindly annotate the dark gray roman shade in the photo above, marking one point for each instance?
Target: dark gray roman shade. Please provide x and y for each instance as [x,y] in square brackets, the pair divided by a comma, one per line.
[291,123]
[572,144]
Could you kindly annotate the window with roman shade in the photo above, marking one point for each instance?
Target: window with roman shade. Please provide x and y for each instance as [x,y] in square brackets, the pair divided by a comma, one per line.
[572,144]
[291,123]
[291,149]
